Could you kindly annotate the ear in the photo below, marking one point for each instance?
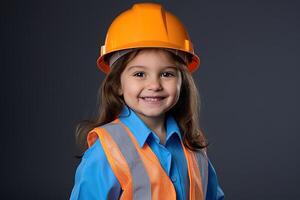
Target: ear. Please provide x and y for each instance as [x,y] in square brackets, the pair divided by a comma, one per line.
[120,91]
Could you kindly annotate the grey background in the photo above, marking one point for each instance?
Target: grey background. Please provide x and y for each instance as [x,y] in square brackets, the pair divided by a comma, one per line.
[248,81]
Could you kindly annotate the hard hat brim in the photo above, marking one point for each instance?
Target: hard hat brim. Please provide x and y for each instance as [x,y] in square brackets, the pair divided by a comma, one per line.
[103,65]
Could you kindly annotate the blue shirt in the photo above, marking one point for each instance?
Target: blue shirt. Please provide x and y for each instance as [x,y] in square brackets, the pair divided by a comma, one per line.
[94,178]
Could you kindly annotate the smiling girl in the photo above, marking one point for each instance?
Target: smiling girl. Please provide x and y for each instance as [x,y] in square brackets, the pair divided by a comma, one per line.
[146,142]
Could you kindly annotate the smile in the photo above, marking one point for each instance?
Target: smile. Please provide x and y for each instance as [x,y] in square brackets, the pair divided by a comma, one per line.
[152,99]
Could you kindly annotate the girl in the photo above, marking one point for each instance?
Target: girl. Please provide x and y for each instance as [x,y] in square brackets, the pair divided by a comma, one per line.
[145,142]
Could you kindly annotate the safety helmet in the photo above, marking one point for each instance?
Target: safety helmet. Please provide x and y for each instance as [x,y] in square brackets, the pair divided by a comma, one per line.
[147,25]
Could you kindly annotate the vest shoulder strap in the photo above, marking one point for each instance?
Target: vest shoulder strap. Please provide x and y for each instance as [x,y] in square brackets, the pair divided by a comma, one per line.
[202,161]
[124,160]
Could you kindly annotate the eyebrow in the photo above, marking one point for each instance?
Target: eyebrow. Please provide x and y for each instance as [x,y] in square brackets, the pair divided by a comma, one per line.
[141,66]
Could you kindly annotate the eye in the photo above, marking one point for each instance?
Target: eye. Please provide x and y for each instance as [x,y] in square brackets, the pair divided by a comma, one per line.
[168,74]
[139,74]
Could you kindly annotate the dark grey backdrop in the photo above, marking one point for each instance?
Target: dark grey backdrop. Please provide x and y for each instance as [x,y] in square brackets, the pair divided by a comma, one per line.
[248,81]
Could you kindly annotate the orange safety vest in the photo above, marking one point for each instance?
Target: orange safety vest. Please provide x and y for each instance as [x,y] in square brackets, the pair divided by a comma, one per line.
[139,171]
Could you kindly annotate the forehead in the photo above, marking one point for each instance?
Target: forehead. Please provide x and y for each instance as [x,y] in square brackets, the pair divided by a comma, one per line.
[152,58]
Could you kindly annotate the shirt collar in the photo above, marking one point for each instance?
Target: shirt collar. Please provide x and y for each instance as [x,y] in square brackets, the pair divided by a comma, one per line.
[141,131]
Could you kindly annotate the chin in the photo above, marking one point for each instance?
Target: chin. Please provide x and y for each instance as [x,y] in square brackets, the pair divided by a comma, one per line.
[153,114]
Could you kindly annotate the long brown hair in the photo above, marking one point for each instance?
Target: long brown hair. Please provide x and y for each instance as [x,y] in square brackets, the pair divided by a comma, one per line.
[186,111]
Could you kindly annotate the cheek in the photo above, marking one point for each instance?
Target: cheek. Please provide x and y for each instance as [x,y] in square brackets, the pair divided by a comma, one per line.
[178,89]
[124,85]
[174,88]
[130,89]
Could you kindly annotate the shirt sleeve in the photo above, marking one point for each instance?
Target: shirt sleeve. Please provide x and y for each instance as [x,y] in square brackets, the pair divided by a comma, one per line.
[94,178]
[214,191]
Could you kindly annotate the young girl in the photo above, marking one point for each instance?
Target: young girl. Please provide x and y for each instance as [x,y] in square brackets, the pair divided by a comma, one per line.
[145,142]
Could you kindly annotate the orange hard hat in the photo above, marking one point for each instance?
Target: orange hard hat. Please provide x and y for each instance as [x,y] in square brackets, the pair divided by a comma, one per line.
[147,25]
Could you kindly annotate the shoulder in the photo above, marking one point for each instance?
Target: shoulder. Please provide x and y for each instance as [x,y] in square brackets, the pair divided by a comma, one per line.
[202,157]
[94,154]
[94,178]
[97,132]
[214,190]
[93,161]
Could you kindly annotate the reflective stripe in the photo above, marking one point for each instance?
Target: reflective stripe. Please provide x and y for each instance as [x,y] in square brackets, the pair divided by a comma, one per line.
[203,167]
[161,184]
[196,192]
[141,182]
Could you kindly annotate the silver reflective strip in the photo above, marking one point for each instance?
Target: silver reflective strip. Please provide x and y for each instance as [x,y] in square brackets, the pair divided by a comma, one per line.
[141,182]
[203,167]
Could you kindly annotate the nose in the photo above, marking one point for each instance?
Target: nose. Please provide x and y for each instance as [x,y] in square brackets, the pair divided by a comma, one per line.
[154,84]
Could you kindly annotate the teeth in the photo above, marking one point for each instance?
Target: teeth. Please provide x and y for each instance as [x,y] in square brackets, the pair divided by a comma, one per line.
[152,98]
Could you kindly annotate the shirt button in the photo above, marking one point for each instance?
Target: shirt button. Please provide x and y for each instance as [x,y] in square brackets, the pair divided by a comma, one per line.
[174,179]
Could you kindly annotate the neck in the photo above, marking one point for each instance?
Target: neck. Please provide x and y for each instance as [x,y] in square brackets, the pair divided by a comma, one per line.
[156,124]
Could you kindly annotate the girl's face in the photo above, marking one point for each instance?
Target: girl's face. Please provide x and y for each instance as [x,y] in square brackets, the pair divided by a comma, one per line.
[150,83]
